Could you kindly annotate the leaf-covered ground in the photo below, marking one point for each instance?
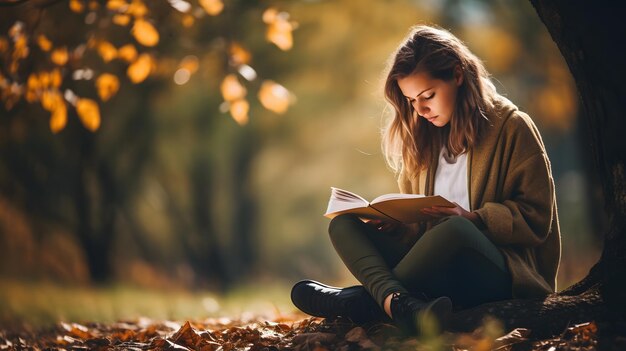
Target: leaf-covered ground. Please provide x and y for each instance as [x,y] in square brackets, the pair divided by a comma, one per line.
[283,334]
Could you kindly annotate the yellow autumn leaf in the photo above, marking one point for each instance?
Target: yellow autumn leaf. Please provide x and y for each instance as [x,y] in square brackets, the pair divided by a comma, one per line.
[239,111]
[212,7]
[58,119]
[77,6]
[558,104]
[44,43]
[121,19]
[188,20]
[59,56]
[44,79]
[127,53]
[33,82]
[270,15]
[33,86]
[145,33]
[238,54]
[279,33]
[139,70]
[190,63]
[232,89]
[10,95]
[4,45]
[117,5]
[16,29]
[20,48]
[89,113]
[496,46]
[274,96]
[107,85]
[56,78]
[137,8]
[30,96]
[107,51]
[50,99]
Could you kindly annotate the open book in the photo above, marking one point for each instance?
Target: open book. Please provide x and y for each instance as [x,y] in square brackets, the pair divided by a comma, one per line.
[405,208]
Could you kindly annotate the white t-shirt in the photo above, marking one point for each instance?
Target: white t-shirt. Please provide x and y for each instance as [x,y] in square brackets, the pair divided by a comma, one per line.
[451,179]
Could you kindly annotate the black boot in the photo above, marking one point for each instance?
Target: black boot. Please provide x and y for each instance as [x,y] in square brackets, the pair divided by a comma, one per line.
[325,301]
[410,314]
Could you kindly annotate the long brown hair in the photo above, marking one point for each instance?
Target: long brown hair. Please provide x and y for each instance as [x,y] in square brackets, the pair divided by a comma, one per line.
[408,140]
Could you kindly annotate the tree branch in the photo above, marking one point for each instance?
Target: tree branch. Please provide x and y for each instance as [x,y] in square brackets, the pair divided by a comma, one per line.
[7,3]
[35,3]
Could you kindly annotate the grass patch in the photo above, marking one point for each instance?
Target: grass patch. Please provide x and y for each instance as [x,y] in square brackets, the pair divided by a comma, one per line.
[45,303]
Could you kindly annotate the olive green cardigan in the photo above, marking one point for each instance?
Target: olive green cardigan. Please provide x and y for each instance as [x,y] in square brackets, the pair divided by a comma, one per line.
[512,190]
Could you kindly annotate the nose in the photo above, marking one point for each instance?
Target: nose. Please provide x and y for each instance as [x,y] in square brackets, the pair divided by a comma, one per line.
[421,108]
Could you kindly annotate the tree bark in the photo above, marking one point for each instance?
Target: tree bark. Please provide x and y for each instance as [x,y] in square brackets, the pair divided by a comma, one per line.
[590,37]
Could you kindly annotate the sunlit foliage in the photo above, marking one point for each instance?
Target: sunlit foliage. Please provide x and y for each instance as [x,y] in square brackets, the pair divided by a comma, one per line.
[54,63]
[279,28]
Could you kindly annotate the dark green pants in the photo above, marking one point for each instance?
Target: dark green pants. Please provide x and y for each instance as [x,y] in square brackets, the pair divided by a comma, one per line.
[454,259]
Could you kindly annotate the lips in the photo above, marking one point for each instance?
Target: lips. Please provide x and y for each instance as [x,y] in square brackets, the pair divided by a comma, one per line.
[430,119]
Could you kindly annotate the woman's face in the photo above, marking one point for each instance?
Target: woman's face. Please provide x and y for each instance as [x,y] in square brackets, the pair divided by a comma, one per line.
[433,99]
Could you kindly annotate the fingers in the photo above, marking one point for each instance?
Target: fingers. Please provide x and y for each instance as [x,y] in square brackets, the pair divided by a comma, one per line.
[440,211]
[374,222]
[382,225]
[388,226]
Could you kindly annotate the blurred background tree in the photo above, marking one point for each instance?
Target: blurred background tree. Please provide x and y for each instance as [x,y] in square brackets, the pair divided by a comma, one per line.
[86,183]
[191,177]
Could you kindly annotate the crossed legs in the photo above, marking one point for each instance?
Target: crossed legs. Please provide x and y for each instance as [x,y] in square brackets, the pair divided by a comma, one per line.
[452,259]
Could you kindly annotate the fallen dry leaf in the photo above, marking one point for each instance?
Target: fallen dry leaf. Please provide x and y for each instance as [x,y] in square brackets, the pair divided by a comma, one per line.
[293,334]
[515,336]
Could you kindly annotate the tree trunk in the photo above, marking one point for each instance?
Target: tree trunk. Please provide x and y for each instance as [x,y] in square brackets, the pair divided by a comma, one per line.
[244,245]
[202,245]
[95,211]
[591,38]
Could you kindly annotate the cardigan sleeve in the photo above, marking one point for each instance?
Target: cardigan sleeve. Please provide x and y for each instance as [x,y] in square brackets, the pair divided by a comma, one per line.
[523,215]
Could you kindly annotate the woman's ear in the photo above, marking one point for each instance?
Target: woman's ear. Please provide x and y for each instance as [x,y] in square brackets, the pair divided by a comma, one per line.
[458,75]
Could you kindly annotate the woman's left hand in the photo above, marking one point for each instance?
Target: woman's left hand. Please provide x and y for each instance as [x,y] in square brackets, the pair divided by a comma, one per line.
[441,212]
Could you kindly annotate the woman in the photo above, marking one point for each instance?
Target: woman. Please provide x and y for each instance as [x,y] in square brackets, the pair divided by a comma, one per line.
[453,135]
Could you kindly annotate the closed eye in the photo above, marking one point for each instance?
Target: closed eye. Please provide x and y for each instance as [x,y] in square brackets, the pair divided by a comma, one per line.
[411,100]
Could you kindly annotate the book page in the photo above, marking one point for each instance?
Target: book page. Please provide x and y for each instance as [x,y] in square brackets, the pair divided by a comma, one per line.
[363,212]
[395,196]
[342,200]
[347,196]
[405,208]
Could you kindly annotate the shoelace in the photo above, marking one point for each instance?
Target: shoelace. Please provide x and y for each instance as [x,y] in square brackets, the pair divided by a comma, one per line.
[403,308]
[399,307]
